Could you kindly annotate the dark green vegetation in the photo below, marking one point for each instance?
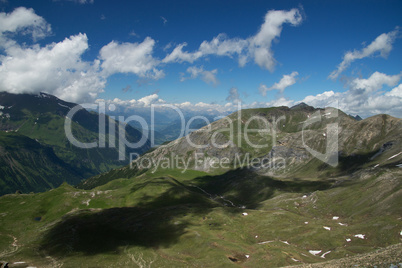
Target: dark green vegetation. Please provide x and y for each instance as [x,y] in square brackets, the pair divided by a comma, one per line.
[40,118]
[27,165]
[226,217]
[186,221]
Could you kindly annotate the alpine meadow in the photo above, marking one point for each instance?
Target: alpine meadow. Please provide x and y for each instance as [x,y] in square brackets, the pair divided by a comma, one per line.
[200,133]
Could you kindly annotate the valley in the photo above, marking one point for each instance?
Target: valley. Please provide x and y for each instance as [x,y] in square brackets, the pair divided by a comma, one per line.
[302,212]
[253,134]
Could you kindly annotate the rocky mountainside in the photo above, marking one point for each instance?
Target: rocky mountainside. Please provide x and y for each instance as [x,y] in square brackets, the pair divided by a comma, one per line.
[299,141]
[42,118]
[293,204]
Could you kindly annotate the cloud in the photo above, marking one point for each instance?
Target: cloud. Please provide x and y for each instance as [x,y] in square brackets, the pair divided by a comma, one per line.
[378,101]
[178,55]
[164,20]
[382,46]
[360,87]
[396,92]
[144,102]
[233,96]
[133,58]
[221,45]
[81,2]
[134,34]
[151,99]
[208,77]
[56,68]
[260,44]
[282,101]
[257,47]
[365,97]
[286,81]
[322,99]
[22,21]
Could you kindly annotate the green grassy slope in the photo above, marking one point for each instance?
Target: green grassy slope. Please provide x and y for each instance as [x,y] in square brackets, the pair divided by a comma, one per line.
[308,214]
[184,221]
[28,166]
[42,117]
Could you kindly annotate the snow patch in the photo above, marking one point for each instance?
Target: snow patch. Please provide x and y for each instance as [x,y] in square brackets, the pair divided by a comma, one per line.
[327,228]
[348,239]
[314,252]
[247,256]
[342,224]
[244,214]
[293,259]
[285,242]
[265,242]
[323,255]
[361,236]
[62,105]
[304,196]
[335,217]
[394,156]
[306,222]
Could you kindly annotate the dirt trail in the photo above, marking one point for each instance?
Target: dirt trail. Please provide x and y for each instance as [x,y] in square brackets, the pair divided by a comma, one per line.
[14,247]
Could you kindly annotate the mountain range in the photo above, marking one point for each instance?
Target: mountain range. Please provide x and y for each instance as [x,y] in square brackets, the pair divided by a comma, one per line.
[267,187]
[32,128]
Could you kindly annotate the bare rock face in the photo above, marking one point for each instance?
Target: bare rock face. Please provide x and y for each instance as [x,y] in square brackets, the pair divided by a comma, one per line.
[281,139]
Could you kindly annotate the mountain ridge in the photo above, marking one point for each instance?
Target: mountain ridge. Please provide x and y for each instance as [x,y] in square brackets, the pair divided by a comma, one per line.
[41,117]
[358,141]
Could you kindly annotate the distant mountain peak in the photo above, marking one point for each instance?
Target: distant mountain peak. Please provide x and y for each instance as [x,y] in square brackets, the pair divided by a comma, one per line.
[302,106]
[356,117]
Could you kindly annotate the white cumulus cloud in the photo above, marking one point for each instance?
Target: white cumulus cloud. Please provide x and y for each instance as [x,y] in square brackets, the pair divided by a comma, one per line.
[144,102]
[382,46]
[260,44]
[178,55]
[208,77]
[365,97]
[56,68]
[22,21]
[133,58]
[397,91]
[257,47]
[286,81]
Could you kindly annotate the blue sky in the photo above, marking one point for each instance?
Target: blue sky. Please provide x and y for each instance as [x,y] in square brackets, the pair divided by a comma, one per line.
[260,53]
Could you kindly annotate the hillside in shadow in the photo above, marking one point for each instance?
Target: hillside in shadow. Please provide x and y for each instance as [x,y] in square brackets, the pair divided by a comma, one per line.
[160,220]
